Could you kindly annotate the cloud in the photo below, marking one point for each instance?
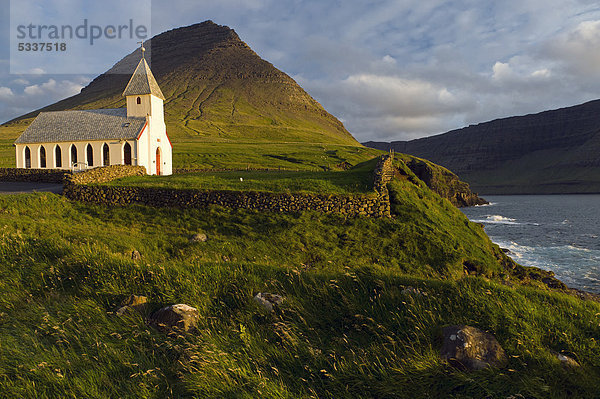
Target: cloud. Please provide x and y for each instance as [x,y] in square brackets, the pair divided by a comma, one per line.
[385,107]
[6,93]
[577,50]
[51,87]
[19,100]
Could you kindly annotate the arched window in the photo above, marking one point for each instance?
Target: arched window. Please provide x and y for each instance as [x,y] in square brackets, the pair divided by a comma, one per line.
[90,155]
[27,157]
[105,155]
[73,154]
[57,157]
[127,154]
[139,100]
[42,157]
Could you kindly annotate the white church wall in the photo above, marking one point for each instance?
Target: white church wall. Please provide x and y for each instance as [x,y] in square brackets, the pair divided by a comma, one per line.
[157,109]
[142,151]
[139,110]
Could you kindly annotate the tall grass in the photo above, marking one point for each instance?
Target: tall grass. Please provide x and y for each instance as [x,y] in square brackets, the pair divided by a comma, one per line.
[346,328]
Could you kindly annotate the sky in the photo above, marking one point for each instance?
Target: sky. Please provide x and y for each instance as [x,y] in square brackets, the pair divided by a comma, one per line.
[388,69]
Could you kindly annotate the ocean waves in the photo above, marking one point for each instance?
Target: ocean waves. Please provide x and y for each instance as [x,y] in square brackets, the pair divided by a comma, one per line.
[575,266]
[499,219]
[558,233]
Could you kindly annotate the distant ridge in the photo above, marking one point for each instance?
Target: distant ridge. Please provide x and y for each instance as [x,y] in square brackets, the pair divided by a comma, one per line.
[551,152]
[216,86]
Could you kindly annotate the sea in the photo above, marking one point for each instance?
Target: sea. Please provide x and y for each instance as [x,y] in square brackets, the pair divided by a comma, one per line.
[552,232]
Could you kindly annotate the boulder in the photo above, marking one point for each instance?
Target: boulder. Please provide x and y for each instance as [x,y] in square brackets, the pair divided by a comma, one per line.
[199,237]
[566,360]
[135,255]
[176,317]
[138,303]
[469,348]
[268,301]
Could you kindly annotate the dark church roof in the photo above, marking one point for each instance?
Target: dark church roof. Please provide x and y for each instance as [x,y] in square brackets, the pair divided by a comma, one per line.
[142,82]
[82,125]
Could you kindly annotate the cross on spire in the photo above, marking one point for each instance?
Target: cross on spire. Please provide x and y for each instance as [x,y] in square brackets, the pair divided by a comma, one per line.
[142,48]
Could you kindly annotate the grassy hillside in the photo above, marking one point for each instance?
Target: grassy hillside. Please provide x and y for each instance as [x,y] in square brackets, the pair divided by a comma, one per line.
[346,329]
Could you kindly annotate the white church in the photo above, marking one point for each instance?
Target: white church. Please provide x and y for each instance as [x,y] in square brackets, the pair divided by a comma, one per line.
[83,139]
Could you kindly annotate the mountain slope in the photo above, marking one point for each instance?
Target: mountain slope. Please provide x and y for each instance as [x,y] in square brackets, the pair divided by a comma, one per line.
[550,152]
[216,88]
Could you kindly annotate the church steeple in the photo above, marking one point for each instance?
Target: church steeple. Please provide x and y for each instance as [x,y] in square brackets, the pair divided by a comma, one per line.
[144,97]
[142,82]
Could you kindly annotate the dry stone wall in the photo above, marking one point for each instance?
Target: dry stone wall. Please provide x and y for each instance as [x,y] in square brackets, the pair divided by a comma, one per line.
[33,175]
[366,205]
[85,187]
[382,175]
[105,174]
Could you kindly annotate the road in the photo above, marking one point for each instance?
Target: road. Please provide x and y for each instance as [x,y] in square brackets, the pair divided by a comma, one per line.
[21,187]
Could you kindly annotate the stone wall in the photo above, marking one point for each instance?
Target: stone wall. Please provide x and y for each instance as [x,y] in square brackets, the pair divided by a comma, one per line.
[105,174]
[365,205]
[83,187]
[33,175]
[382,175]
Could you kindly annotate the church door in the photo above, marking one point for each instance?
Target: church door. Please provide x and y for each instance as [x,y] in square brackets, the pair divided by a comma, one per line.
[158,161]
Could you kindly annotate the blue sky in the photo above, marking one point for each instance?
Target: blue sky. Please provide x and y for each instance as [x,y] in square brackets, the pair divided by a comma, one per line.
[390,70]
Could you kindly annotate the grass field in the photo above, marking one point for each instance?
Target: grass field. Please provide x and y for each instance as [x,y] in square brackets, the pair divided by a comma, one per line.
[345,330]
[208,154]
[7,152]
[195,152]
[356,180]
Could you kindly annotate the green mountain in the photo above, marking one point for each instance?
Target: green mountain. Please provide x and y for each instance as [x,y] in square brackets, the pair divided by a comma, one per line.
[220,91]
[552,152]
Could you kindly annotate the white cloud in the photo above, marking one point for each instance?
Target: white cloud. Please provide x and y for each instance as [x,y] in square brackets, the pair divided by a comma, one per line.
[577,50]
[388,59]
[37,71]
[15,102]
[403,97]
[64,88]
[6,93]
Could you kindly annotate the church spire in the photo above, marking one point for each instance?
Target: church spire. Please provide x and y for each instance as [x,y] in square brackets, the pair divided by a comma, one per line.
[142,81]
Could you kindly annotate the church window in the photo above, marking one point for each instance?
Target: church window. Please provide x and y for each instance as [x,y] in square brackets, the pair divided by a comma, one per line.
[42,157]
[127,154]
[73,154]
[105,155]
[27,157]
[90,155]
[139,100]
[57,157]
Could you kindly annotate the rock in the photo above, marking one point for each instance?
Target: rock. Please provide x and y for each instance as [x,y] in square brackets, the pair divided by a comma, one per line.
[471,349]
[178,317]
[138,303]
[135,255]
[199,237]
[268,301]
[412,291]
[566,360]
